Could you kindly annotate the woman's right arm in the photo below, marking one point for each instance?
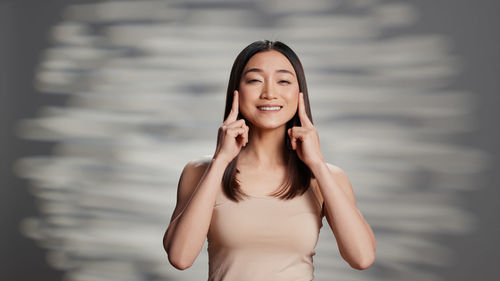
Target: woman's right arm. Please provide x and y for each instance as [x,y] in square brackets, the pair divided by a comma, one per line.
[197,191]
[196,195]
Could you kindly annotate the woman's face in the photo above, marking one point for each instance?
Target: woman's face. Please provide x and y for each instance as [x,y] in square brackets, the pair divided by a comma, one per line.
[268,90]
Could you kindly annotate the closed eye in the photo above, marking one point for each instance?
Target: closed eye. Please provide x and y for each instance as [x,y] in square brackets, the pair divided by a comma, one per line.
[253,81]
[284,82]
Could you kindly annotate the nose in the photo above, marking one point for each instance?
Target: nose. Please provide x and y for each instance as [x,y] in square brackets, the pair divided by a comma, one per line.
[268,91]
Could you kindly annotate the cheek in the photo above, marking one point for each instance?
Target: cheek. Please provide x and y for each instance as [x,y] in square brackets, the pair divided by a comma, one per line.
[294,104]
[291,93]
[246,91]
[293,99]
[245,97]
[244,104]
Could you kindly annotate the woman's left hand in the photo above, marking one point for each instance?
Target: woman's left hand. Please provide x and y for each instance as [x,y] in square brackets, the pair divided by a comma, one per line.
[305,139]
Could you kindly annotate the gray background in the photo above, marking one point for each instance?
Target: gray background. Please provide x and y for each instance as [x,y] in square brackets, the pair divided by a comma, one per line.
[471,26]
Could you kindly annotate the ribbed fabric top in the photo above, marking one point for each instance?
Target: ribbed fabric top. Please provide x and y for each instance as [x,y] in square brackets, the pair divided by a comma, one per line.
[264,238]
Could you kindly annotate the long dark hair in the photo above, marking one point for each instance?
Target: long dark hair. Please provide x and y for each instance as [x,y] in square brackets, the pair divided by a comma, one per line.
[298,175]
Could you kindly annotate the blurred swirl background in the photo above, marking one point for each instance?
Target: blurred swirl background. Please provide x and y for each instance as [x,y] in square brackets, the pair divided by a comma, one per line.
[103,103]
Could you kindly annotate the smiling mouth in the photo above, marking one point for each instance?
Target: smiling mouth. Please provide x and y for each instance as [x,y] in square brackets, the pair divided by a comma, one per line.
[269,108]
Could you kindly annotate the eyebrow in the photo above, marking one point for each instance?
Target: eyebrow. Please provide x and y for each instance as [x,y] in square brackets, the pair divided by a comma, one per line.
[260,70]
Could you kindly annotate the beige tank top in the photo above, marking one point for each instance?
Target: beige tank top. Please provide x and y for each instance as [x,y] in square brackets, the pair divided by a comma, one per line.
[264,238]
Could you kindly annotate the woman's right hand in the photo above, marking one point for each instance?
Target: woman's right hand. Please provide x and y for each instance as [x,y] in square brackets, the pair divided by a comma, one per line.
[232,135]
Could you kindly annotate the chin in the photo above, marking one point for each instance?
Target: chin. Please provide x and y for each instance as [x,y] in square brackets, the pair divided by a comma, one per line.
[269,125]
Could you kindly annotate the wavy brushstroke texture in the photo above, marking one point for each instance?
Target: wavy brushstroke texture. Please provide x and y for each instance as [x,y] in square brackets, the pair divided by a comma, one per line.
[146,81]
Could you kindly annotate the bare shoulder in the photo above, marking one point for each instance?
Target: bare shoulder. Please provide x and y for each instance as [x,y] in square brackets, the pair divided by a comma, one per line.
[192,173]
[190,177]
[337,172]
[197,165]
[341,178]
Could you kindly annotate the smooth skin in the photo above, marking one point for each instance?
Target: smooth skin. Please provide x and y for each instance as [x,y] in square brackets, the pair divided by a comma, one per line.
[268,79]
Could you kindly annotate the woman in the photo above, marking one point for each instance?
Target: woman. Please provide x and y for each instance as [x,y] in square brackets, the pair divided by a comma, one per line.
[260,199]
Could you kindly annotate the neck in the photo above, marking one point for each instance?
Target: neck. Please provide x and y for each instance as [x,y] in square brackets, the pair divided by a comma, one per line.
[265,148]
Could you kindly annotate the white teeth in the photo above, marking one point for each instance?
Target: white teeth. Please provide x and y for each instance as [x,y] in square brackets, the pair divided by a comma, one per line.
[269,107]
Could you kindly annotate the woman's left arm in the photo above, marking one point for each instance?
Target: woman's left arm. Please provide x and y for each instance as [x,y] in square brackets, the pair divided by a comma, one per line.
[354,236]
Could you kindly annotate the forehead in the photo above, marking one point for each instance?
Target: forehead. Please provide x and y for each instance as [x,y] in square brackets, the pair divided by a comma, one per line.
[269,61]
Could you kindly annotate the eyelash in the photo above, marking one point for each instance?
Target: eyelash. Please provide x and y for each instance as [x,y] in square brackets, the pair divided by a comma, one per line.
[281,81]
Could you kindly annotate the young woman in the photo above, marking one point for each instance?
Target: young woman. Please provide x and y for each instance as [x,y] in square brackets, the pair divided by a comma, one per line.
[260,199]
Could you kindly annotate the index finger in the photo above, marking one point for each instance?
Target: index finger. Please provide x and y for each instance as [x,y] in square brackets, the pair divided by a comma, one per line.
[233,114]
[304,119]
